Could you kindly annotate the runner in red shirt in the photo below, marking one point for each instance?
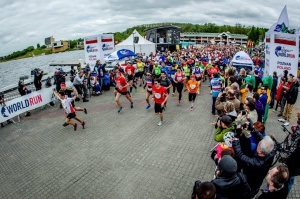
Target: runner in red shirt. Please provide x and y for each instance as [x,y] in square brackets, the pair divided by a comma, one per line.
[121,89]
[160,96]
[129,71]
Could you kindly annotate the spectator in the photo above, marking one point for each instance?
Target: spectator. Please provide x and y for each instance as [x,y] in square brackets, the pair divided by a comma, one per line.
[274,89]
[23,91]
[225,125]
[235,87]
[79,85]
[279,93]
[249,107]
[37,81]
[249,90]
[256,167]
[229,183]
[230,97]
[264,98]
[204,190]
[276,188]
[291,98]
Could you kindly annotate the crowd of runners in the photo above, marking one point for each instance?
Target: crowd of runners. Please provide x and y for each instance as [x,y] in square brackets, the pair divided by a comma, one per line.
[241,99]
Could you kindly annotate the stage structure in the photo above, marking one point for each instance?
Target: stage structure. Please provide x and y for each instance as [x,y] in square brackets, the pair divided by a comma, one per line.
[165,37]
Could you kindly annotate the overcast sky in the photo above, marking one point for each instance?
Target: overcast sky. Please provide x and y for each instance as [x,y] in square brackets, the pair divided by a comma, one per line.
[28,22]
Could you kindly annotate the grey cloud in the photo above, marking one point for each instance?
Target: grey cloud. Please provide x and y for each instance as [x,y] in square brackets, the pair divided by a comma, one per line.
[28,22]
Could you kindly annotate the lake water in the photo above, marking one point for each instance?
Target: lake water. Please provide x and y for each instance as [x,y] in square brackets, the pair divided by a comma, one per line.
[12,70]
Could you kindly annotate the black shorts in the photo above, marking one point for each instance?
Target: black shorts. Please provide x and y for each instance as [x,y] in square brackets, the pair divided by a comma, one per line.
[192,96]
[158,108]
[130,77]
[122,93]
[71,115]
[198,79]
[150,92]
[139,74]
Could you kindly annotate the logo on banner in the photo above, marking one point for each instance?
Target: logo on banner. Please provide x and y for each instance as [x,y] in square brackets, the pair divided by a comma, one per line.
[280,28]
[124,52]
[242,58]
[92,57]
[3,111]
[283,52]
[90,49]
[21,105]
[106,47]
[268,49]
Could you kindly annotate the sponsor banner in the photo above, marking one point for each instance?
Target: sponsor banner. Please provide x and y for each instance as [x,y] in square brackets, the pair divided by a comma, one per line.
[26,103]
[282,54]
[97,48]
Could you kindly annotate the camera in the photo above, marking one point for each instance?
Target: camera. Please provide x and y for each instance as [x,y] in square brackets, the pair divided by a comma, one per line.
[36,71]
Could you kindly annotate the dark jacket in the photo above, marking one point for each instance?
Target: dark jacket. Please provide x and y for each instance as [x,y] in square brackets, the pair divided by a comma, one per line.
[276,194]
[292,94]
[21,90]
[275,82]
[235,187]
[256,167]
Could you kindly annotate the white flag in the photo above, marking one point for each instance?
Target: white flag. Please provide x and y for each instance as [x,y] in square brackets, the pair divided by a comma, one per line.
[272,28]
[283,21]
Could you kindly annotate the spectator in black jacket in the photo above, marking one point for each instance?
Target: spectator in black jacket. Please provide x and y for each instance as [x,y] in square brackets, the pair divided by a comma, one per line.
[38,79]
[274,89]
[23,91]
[229,183]
[276,188]
[256,167]
[291,98]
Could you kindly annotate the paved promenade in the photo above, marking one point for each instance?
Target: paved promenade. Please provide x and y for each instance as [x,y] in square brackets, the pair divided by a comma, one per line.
[122,155]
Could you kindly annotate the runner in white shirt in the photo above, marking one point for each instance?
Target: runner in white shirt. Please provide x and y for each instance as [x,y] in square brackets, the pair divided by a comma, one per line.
[67,105]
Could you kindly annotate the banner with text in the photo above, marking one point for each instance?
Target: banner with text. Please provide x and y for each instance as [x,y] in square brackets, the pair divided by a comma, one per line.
[281,53]
[26,103]
[97,48]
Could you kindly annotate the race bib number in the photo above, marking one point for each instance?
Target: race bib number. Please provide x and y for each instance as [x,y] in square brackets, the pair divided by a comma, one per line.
[173,76]
[179,78]
[157,95]
[129,72]
[198,75]
[192,86]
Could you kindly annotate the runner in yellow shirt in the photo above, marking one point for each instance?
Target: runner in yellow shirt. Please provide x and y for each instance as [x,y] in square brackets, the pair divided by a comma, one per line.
[140,71]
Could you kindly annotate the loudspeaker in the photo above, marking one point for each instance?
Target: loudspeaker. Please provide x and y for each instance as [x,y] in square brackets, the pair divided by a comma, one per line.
[136,40]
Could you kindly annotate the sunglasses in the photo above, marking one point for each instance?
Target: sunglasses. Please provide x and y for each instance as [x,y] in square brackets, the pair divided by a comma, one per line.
[155,83]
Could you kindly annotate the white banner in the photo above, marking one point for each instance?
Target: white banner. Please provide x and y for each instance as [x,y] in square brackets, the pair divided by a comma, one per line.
[97,48]
[281,53]
[26,103]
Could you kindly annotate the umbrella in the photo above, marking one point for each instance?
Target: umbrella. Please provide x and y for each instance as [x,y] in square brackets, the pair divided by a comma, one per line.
[120,54]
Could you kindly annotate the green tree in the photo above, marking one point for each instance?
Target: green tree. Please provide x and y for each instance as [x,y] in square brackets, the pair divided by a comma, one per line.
[38,46]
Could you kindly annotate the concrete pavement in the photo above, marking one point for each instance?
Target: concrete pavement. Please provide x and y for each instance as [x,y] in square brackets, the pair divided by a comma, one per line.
[122,155]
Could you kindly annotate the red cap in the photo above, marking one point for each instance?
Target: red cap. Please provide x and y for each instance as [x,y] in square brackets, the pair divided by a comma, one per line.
[62,85]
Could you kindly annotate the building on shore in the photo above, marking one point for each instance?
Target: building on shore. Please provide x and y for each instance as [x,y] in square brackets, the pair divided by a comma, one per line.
[59,46]
[199,38]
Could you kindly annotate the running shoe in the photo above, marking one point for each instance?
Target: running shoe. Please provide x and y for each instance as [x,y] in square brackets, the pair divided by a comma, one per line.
[286,124]
[281,120]
[83,125]
[65,124]
[179,102]
[120,109]
[147,107]
[192,108]
[84,110]
[75,127]
[274,110]
[160,123]
[131,105]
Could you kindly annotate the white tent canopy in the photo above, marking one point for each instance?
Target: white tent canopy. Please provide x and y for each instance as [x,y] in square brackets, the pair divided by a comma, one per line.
[142,45]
